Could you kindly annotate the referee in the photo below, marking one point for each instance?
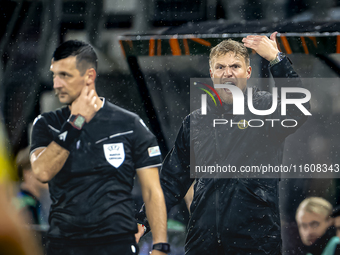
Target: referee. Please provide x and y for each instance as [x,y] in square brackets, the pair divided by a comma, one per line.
[89,153]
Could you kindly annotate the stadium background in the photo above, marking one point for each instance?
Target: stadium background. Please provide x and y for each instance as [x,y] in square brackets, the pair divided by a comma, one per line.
[149,50]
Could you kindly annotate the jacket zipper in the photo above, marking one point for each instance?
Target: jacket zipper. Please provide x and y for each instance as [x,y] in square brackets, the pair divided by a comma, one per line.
[217,195]
[218,234]
[217,215]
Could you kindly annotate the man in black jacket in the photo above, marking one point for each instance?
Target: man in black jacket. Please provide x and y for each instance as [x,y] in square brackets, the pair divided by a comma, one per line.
[233,215]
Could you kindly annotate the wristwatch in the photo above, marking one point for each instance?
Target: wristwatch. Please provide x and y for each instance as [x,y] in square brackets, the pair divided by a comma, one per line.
[278,58]
[77,121]
[163,247]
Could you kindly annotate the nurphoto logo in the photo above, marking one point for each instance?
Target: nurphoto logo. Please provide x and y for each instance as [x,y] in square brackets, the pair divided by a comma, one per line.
[238,104]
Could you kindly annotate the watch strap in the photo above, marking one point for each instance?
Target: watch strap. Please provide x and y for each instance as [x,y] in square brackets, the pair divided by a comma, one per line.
[67,135]
[278,58]
[163,247]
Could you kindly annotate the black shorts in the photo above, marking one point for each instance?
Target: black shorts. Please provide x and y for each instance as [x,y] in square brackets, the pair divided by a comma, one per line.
[126,245]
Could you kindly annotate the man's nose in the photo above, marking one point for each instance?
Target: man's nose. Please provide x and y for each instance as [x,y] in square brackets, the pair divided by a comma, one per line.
[310,231]
[56,82]
[228,72]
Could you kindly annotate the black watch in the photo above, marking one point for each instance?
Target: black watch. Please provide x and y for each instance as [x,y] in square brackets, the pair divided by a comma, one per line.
[163,247]
[77,121]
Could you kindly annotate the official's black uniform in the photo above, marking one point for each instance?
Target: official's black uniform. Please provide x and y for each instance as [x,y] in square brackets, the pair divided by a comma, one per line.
[91,195]
[231,216]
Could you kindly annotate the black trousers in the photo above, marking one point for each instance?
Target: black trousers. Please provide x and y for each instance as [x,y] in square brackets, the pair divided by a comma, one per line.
[126,246]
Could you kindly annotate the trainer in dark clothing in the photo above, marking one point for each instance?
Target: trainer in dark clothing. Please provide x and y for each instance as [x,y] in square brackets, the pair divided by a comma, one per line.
[236,215]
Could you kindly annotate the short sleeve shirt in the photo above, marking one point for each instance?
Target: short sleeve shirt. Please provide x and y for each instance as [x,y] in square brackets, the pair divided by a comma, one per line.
[91,195]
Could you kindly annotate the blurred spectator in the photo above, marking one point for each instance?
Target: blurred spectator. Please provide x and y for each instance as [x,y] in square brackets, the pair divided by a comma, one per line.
[314,221]
[15,239]
[336,216]
[336,239]
[33,196]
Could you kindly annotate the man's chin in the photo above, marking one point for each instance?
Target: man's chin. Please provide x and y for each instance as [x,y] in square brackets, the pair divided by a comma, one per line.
[227,99]
[64,101]
[310,242]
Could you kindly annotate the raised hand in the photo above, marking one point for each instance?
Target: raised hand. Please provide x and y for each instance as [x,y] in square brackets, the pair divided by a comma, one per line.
[264,46]
[85,104]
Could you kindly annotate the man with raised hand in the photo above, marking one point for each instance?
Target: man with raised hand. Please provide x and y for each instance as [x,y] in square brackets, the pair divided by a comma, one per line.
[89,153]
[232,215]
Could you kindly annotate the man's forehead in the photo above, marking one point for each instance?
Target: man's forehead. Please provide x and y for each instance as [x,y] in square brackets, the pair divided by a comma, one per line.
[308,217]
[69,63]
[229,57]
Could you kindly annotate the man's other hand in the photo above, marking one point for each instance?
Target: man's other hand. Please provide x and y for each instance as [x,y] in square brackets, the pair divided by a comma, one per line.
[264,46]
[140,233]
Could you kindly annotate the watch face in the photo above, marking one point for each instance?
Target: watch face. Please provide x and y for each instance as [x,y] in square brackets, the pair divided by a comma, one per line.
[280,56]
[79,121]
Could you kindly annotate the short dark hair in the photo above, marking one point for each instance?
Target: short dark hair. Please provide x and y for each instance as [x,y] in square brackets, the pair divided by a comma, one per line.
[85,55]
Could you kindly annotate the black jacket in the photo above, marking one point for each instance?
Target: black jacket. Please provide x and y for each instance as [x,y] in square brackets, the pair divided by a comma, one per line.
[319,246]
[234,215]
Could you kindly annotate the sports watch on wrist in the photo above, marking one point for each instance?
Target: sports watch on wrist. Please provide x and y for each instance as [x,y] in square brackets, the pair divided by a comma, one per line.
[163,247]
[278,58]
[77,121]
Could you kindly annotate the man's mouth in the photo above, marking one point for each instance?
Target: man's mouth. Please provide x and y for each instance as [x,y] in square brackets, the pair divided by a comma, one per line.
[312,240]
[228,83]
[59,93]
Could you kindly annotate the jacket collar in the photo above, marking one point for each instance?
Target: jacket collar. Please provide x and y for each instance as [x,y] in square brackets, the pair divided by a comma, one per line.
[320,244]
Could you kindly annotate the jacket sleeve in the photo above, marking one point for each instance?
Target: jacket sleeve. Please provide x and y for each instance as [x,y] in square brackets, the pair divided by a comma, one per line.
[175,172]
[285,76]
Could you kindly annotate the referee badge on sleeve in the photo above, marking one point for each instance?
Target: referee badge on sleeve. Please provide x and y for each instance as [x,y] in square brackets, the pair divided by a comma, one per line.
[114,153]
[154,151]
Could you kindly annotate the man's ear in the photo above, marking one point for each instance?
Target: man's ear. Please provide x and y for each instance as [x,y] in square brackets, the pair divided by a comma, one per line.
[211,75]
[91,75]
[249,72]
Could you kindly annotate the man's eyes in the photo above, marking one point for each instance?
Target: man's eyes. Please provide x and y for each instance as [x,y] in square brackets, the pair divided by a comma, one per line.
[61,75]
[314,224]
[232,66]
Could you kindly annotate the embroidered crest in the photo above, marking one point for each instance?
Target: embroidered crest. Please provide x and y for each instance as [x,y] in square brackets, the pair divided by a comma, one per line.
[114,153]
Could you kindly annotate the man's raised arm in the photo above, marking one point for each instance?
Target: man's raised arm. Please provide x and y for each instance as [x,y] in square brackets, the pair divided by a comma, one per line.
[47,162]
[285,77]
[50,153]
